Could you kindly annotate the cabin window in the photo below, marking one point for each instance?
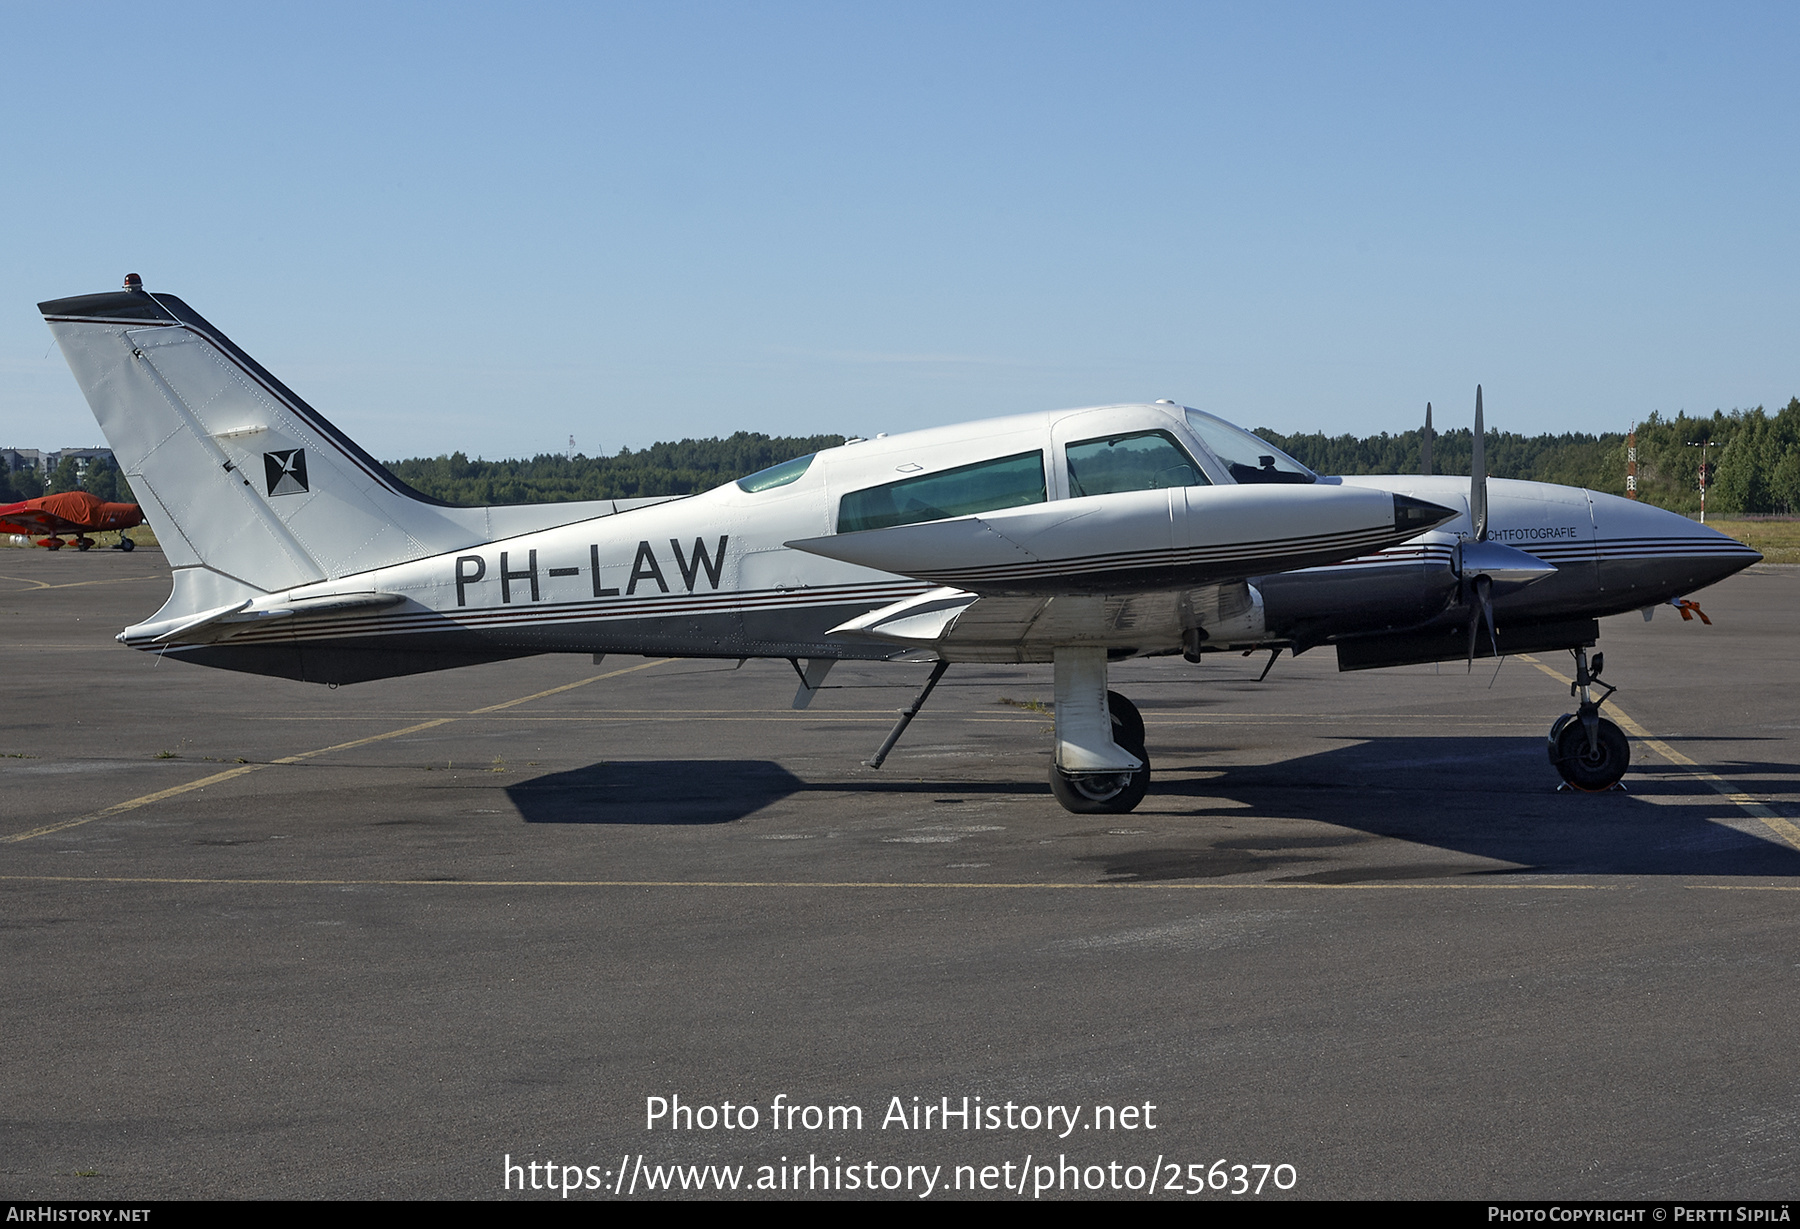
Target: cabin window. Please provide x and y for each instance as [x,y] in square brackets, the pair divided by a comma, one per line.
[776,475]
[1248,458]
[1141,461]
[1009,482]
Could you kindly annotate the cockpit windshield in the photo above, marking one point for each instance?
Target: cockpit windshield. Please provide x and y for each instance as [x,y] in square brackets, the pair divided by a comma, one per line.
[1249,458]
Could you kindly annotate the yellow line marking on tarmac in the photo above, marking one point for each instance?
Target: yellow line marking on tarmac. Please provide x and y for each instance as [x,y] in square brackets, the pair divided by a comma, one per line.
[73,584]
[849,884]
[119,808]
[539,695]
[886,717]
[1782,828]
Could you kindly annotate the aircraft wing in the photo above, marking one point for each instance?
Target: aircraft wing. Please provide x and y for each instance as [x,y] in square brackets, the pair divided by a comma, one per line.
[27,519]
[1136,541]
[68,512]
[1128,570]
[960,626]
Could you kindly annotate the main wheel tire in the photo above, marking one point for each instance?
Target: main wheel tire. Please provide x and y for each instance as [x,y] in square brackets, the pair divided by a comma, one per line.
[1127,722]
[1102,793]
[1590,768]
[126,544]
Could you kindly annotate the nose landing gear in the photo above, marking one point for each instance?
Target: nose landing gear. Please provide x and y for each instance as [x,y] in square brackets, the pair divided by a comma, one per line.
[1588,751]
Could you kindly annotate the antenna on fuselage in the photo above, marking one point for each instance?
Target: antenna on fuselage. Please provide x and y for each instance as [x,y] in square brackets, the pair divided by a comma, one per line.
[1425,444]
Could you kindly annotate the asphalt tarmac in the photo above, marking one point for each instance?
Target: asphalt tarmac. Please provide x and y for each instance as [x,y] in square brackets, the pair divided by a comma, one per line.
[265,939]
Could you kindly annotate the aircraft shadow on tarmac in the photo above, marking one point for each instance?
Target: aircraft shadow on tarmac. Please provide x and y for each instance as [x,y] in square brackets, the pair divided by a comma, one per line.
[1490,797]
[702,791]
[1486,797]
[654,792]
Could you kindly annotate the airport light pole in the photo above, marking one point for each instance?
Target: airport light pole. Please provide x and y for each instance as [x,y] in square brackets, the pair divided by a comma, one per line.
[1703,445]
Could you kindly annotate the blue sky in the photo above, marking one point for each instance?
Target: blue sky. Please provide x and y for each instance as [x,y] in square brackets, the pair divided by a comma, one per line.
[492,228]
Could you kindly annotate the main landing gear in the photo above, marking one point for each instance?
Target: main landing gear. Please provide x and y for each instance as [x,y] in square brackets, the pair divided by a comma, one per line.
[1100,766]
[1590,752]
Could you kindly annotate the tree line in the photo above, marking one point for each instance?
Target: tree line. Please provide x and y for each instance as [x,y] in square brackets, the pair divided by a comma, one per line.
[1753,459]
[102,479]
[678,468]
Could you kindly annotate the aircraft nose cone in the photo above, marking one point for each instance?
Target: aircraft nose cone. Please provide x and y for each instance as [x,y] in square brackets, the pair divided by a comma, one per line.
[1647,550]
[1417,515]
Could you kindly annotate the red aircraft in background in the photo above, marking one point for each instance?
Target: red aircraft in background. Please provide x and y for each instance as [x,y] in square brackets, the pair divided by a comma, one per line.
[70,512]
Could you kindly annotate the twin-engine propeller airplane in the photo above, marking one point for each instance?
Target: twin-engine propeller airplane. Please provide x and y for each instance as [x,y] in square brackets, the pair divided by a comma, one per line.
[70,512]
[1076,537]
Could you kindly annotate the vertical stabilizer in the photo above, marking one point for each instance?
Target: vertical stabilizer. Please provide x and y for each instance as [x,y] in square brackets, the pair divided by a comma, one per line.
[235,473]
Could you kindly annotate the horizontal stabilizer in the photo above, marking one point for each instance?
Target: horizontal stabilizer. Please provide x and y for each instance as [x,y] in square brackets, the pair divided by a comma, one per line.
[164,630]
[224,622]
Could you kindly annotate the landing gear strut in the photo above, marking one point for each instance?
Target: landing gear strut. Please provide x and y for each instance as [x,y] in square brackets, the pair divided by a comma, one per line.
[1100,766]
[1590,752]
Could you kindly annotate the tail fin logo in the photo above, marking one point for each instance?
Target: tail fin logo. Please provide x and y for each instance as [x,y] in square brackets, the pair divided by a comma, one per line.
[285,471]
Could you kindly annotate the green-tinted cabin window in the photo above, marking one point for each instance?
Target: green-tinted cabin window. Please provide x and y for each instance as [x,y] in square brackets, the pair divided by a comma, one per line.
[776,475]
[1143,461]
[1250,458]
[1010,482]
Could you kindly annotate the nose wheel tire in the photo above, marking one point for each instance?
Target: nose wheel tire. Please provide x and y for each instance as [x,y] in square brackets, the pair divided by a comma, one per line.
[1591,768]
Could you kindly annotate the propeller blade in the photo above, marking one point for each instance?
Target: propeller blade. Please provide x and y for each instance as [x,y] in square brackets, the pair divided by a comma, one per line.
[1478,506]
[1482,587]
[1481,610]
[1425,444]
